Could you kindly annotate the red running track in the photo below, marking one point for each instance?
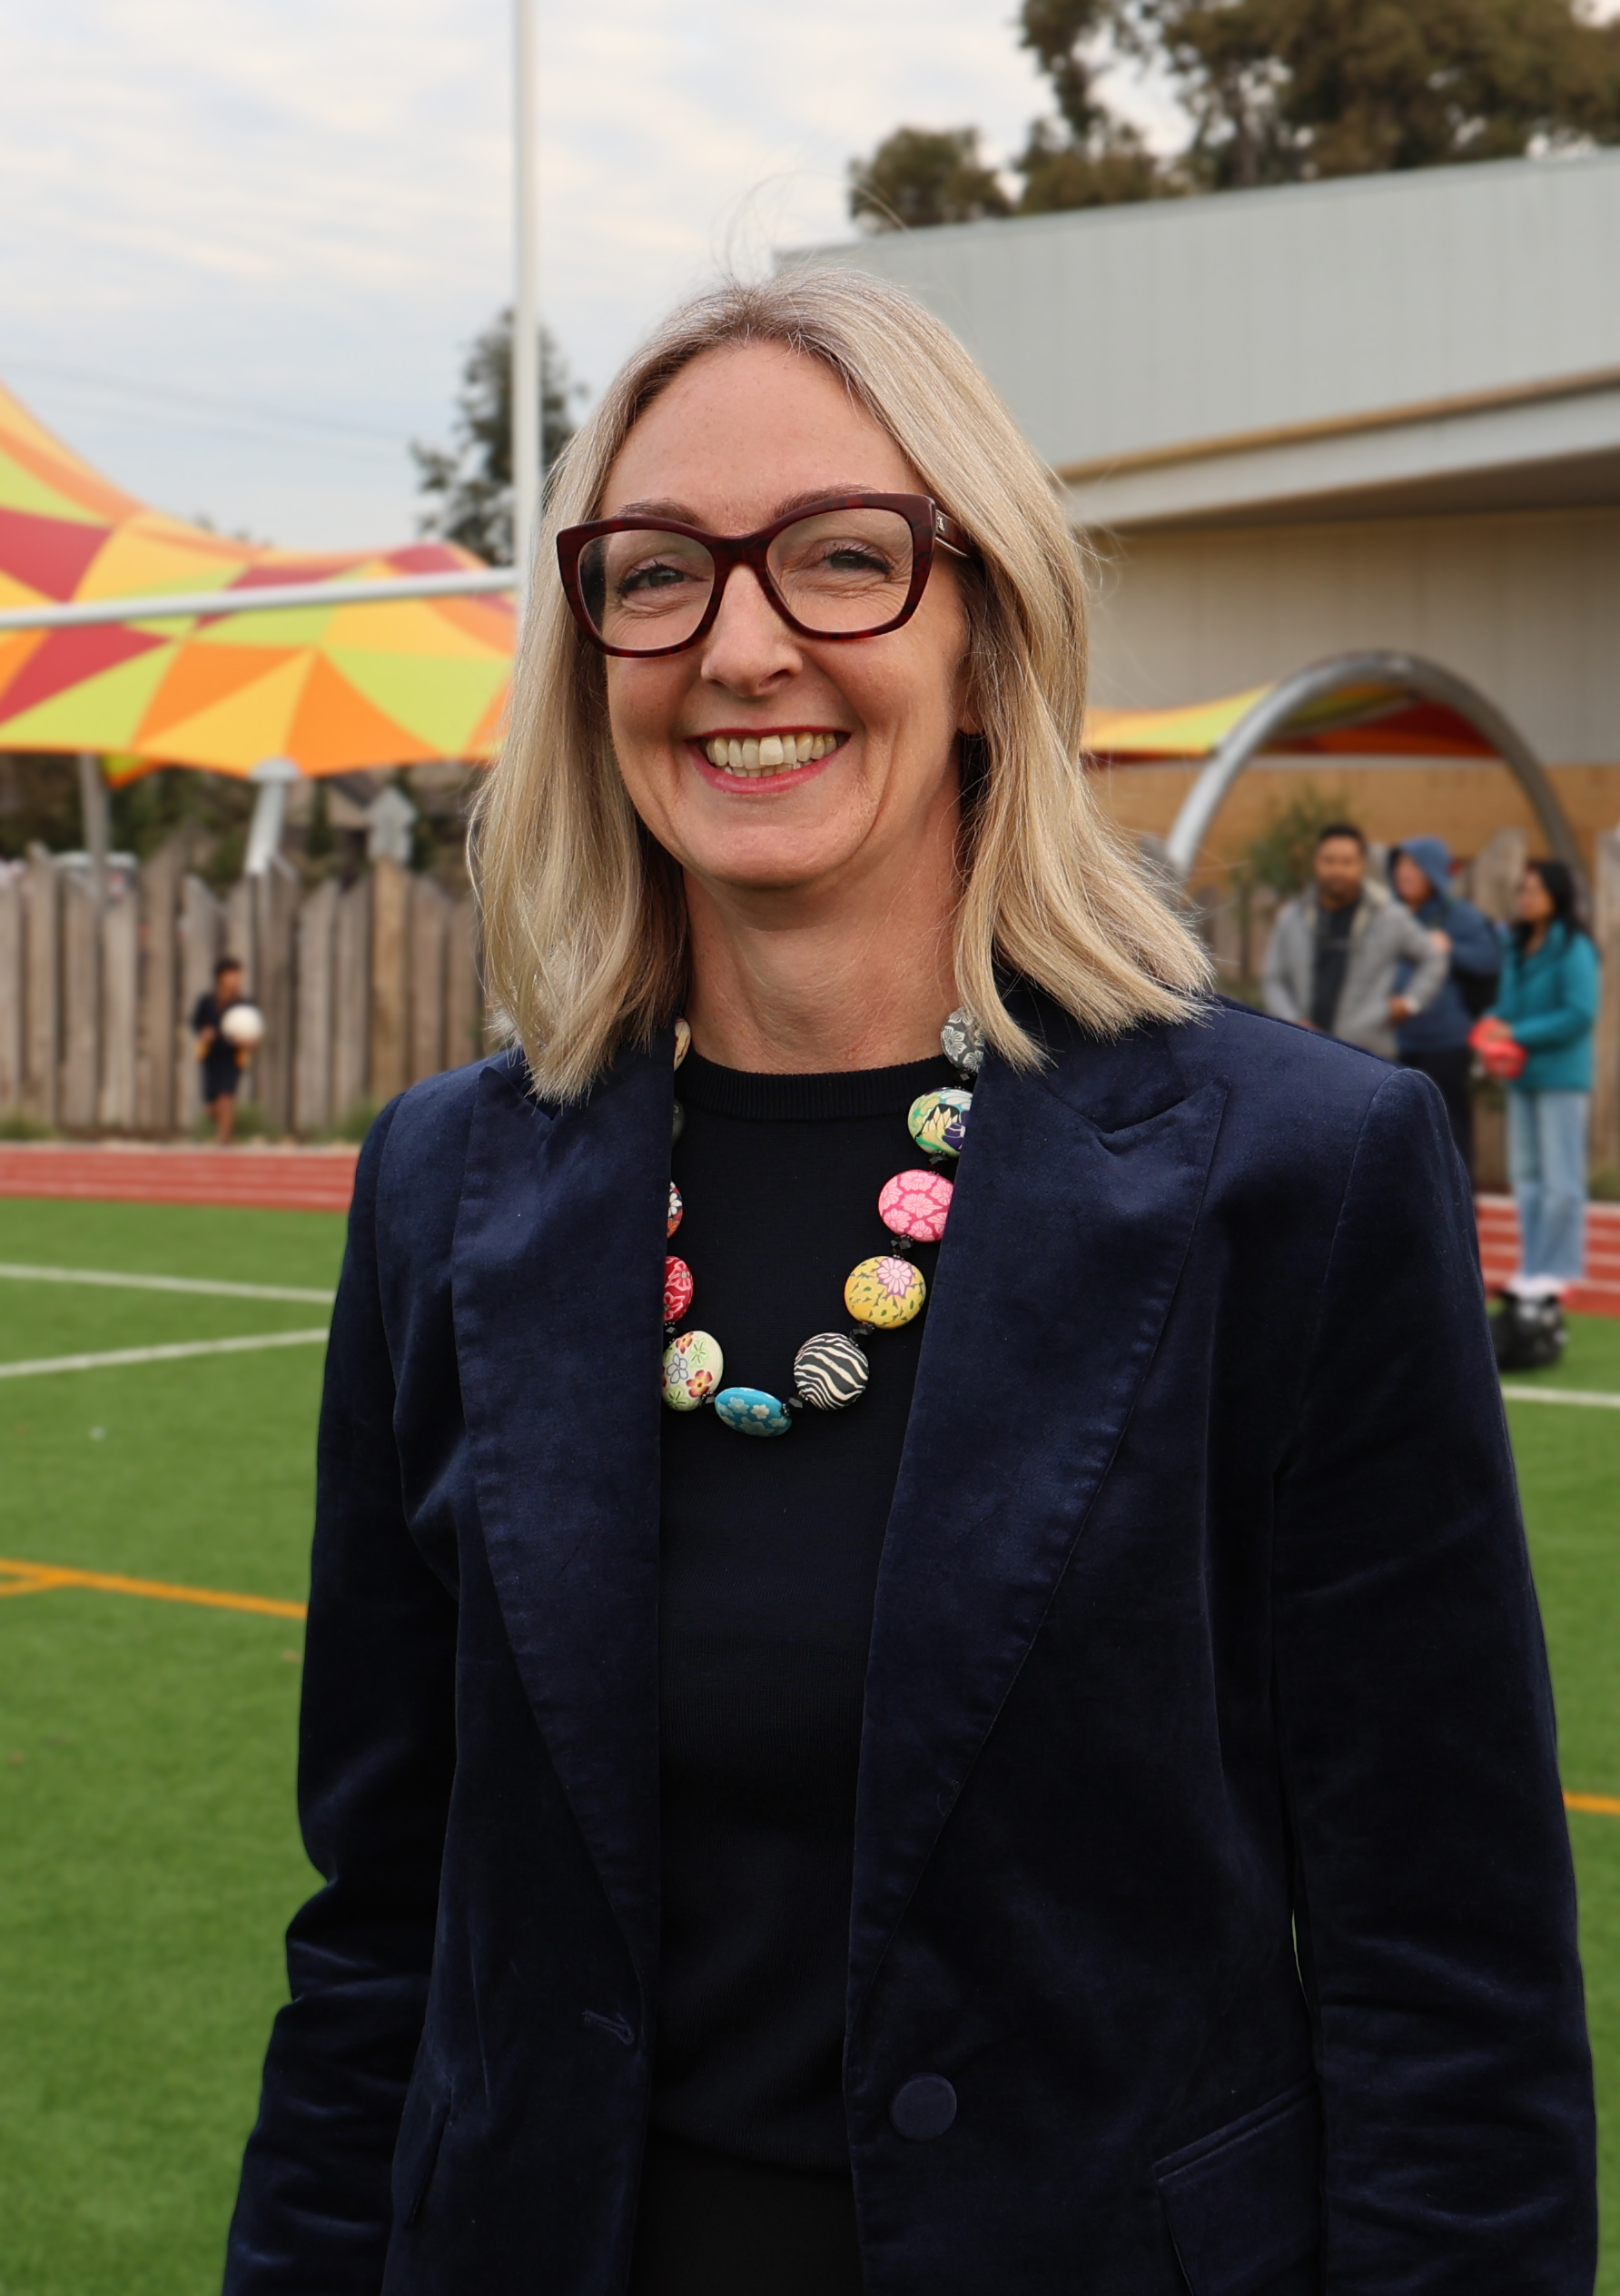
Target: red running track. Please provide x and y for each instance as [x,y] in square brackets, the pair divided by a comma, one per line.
[322,1180]
[1599,1294]
[261,1179]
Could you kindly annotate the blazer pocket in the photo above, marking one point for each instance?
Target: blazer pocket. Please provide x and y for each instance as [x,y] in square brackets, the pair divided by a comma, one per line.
[1245,2203]
[416,2155]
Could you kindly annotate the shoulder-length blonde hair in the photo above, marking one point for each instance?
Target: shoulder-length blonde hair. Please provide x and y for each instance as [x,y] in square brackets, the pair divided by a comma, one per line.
[583,913]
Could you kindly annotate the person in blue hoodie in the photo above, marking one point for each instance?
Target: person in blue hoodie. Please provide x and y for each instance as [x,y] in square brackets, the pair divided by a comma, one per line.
[1435,1040]
[1548,1003]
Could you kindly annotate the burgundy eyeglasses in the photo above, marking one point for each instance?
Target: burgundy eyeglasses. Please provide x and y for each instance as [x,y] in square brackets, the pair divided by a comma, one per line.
[852,566]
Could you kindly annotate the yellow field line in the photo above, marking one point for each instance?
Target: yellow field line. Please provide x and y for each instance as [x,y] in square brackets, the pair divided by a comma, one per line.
[45,1578]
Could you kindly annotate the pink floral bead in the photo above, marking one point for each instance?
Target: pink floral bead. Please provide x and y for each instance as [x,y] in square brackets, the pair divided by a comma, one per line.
[678,1289]
[915,1204]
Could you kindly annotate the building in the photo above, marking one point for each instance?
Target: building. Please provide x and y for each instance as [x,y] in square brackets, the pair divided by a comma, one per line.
[1380,412]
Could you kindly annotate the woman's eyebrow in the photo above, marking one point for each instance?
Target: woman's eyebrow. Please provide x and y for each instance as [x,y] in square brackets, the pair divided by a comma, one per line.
[661,508]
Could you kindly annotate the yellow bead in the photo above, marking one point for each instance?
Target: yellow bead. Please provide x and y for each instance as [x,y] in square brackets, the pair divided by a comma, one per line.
[885,1293]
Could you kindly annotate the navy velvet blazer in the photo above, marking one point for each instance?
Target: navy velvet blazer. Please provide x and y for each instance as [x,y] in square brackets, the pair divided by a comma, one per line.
[1213,1925]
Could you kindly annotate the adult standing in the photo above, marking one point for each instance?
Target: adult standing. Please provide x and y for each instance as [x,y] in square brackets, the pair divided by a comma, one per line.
[1335,950]
[1435,1040]
[1031,1765]
[1548,1004]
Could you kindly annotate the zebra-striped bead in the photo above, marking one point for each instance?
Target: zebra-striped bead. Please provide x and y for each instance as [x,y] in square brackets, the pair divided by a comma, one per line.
[829,1372]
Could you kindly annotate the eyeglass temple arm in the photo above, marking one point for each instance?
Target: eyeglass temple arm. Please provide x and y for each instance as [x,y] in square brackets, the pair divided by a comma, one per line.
[950,535]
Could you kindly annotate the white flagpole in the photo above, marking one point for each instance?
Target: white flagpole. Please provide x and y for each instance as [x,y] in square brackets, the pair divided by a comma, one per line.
[527,470]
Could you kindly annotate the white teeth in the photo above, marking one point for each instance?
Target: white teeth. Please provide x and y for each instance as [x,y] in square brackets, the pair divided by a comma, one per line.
[770,753]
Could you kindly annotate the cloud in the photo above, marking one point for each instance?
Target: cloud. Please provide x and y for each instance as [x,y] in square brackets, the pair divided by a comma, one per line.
[304,205]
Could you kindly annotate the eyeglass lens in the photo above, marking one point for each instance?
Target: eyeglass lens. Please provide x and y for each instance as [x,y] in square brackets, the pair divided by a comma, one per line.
[840,573]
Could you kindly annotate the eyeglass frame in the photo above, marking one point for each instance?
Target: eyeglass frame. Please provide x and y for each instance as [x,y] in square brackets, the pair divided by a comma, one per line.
[928,523]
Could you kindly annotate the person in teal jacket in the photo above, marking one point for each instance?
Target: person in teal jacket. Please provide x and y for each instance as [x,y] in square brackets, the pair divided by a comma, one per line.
[1548,1001]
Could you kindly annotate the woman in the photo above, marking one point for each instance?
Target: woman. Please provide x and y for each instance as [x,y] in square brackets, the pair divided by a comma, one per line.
[1072,1803]
[1548,1004]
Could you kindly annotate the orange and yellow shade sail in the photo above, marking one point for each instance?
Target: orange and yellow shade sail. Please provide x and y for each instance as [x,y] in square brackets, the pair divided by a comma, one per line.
[337,688]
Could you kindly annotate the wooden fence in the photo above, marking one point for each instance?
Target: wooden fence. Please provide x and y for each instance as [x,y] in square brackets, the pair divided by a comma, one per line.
[365,989]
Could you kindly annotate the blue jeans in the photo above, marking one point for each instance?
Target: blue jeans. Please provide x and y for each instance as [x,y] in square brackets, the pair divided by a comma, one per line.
[1546,1164]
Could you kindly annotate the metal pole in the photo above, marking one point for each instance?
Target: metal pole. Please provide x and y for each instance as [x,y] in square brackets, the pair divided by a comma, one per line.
[271,598]
[526,474]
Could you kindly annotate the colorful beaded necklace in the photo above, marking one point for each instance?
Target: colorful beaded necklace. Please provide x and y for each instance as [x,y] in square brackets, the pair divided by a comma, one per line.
[830,1370]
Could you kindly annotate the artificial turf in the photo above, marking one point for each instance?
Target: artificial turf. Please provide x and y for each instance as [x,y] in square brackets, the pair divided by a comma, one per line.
[149,1856]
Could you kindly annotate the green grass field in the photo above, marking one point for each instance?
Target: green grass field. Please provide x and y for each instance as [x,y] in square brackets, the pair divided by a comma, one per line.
[149,1856]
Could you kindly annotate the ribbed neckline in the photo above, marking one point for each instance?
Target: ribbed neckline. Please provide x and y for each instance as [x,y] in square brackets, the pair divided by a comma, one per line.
[855,1092]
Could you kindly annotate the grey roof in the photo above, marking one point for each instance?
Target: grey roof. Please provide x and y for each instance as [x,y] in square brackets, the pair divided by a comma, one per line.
[1449,328]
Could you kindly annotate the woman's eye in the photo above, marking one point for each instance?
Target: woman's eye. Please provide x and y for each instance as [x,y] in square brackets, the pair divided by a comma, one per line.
[650,578]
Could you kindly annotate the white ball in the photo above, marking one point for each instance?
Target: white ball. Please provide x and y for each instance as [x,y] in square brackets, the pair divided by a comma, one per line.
[242,1025]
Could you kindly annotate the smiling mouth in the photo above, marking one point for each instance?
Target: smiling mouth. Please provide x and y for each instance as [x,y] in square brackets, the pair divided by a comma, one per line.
[754,755]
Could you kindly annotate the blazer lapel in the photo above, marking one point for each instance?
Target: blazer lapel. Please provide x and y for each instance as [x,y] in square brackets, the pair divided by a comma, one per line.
[558,1284]
[1065,1246]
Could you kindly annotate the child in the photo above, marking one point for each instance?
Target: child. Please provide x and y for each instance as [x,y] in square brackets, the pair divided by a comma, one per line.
[221,1061]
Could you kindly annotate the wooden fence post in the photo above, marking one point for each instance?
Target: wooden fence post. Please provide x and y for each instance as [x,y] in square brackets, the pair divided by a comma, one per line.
[352,1001]
[42,987]
[11,990]
[463,999]
[313,1108]
[391,887]
[78,1090]
[1606,925]
[154,1057]
[424,957]
[275,932]
[121,964]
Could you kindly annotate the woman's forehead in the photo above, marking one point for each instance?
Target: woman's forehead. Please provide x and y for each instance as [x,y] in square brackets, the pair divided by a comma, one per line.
[746,432]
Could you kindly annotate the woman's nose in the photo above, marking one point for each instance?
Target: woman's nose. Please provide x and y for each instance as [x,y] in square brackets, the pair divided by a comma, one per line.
[750,646]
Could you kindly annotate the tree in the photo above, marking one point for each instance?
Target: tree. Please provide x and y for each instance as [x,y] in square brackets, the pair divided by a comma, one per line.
[1288,90]
[468,485]
[919,176]
[1285,91]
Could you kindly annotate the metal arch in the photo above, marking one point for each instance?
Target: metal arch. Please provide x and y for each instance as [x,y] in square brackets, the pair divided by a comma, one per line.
[1271,713]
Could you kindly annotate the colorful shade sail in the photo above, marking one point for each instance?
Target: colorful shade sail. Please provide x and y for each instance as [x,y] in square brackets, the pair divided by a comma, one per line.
[1363,718]
[337,688]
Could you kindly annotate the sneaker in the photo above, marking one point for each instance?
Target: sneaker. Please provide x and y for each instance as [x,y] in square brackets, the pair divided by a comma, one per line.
[1528,1334]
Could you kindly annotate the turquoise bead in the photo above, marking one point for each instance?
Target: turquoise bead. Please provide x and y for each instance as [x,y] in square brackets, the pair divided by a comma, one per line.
[749,1410]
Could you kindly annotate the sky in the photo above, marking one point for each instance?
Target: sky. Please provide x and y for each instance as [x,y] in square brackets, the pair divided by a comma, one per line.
[243,248]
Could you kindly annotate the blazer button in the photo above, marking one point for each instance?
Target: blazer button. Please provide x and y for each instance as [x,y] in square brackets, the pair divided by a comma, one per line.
[925,2107]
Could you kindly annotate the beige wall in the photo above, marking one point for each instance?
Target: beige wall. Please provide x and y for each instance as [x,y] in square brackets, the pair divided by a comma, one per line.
[1463,804]
[1526,604]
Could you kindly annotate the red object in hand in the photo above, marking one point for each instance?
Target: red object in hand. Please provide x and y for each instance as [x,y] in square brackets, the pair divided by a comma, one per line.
[1494,1041]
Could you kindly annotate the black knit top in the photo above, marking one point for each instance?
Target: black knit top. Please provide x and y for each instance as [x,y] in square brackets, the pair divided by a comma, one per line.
[769,1569]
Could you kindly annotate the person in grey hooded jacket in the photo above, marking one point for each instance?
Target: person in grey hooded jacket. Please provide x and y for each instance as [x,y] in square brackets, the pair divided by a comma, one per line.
[1335,950]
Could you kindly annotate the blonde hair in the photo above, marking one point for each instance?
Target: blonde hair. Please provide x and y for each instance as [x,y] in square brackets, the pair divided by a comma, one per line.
[583,912]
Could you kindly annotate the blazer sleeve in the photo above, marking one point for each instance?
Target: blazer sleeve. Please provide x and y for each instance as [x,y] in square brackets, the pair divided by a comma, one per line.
[377,1752]
[1575,1012]
[1434,1904]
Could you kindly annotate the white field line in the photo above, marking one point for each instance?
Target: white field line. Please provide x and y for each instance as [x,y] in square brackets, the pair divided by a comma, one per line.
[117,1358]
[24,1274]
[1588,1396]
